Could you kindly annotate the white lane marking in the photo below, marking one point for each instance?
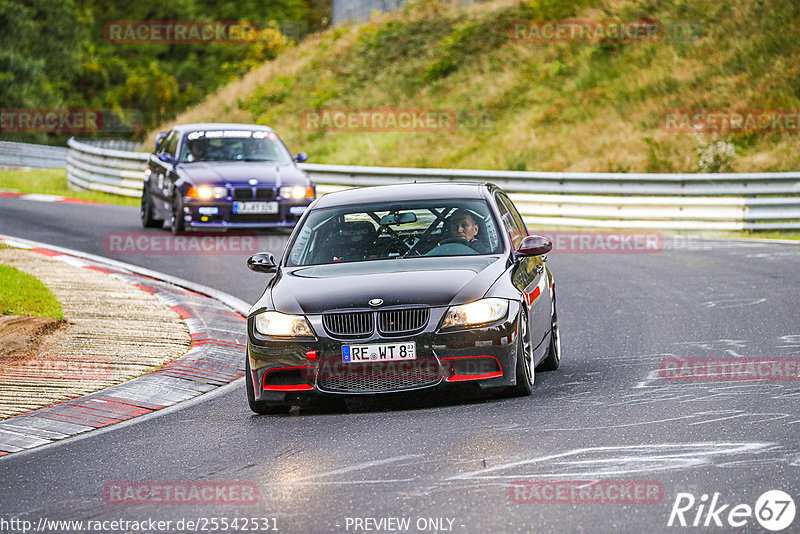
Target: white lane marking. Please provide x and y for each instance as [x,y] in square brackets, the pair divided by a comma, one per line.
[17,244]
[38,197]
[725,304]
[358,467]
[619,460]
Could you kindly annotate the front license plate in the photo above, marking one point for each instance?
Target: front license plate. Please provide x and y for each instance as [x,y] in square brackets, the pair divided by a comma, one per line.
[379,352]
[255,207]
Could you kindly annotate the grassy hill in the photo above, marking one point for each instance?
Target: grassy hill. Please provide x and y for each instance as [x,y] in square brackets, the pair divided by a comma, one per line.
[521,105]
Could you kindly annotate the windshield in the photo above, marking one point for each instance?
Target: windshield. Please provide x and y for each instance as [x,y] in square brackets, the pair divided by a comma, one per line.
[233,145]
[395,230]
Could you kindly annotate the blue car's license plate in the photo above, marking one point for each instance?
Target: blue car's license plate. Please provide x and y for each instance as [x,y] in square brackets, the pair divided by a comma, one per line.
[255,207]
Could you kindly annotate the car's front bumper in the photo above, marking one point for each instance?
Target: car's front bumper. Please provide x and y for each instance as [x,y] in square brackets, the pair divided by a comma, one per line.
[208,215]
[293,371]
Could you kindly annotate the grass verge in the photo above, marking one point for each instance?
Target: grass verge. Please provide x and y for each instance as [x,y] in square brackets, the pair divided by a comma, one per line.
[54,182]
[23,294]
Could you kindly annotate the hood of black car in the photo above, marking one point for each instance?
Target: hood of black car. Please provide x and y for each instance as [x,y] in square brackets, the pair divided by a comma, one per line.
[210,173]
[437,281]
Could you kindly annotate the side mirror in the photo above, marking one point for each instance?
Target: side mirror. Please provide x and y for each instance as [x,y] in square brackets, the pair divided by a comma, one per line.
[159,137]
[534,245]
[263,262]
[301,157]
[166,158]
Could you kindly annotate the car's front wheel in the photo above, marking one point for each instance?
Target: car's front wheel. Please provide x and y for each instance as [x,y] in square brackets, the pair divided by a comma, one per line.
[178,225]
[553,358]
[259,407]
[524,368]
[146,212]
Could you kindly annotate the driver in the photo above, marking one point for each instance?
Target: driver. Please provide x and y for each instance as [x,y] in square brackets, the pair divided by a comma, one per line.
[464,226]
[196,151]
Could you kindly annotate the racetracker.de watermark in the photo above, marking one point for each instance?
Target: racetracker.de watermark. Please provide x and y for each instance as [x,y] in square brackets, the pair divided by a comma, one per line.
[729,369]
[585,492]
[730,120]
[186,32]
[586,31]
[52,368]
[379,120]
[565,242]
[153,244]
[75,120]
[180,493]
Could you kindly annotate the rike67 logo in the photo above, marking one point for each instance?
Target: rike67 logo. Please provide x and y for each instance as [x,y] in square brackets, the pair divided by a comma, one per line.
[774,510]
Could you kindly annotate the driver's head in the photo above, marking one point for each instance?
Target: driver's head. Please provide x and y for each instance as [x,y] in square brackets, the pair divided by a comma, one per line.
[196,149]
[463,225]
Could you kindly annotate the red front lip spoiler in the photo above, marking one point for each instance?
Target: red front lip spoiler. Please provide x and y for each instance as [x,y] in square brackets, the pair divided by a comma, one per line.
[307,371]
[479,376]
[302,386]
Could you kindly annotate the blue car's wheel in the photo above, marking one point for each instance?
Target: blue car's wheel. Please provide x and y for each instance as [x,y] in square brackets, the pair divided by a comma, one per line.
[178,225]
[146,212]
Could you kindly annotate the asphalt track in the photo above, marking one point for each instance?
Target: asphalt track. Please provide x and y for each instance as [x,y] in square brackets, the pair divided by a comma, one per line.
[605,415]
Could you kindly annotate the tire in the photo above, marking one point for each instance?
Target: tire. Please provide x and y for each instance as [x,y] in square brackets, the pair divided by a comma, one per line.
[524,369]
[146,212]
[260,407]
[553,358]
[178,224]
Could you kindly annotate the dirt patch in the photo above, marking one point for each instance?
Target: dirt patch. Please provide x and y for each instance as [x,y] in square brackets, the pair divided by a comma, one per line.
[24,337]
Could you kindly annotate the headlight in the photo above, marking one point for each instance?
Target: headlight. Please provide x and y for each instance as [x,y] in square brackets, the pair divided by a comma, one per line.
[296,192]
[205,192]
[278,324]
[475,313]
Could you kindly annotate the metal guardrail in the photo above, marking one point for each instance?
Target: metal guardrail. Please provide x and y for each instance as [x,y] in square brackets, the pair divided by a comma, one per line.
[30,155]
[735,201]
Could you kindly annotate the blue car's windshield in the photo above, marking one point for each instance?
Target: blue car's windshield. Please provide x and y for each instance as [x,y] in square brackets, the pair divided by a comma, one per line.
[395,230]
[233,145]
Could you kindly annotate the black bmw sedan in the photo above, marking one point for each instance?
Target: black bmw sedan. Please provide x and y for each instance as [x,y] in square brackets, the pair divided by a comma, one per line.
[403,287]
[220,176]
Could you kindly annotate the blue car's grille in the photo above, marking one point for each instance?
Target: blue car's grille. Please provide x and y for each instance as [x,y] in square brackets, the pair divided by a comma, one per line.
[265,194]
[243,193]
[253,193]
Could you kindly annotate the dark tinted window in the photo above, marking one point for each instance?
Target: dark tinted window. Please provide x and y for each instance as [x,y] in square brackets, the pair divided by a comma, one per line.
[170,144]
[510,222]
[234,145]
[384,231]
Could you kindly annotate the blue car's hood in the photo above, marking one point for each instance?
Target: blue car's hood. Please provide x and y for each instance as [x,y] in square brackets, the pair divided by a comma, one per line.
[241,172]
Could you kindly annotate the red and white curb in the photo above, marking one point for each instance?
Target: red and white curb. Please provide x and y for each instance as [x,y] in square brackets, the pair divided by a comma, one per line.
[217,325]
[40,197]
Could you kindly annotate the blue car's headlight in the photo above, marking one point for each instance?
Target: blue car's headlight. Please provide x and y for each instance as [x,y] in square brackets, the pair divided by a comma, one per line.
[205,192]
[296,192]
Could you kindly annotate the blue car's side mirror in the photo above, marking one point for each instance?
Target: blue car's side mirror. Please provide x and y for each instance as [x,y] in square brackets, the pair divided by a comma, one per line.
[166,158]
[301,157]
